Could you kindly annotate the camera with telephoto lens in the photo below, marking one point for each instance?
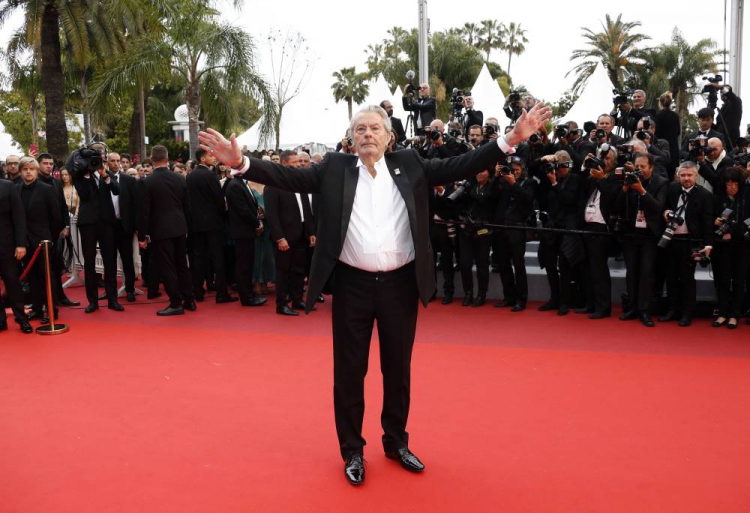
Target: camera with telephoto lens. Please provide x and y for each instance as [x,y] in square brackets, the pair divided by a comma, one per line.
[515,96]
[621,97]
[562,131]
[535,138]
[724,226]
[595,162]
[643,135]
[633,178]
[700,258]
[459,191]
[490,129]
[434,135]
[86,160]
[599,133]
[625,154]
[673,221]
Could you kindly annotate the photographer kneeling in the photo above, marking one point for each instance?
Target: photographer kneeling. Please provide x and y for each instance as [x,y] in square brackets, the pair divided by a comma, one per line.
[641,202]
[732,253]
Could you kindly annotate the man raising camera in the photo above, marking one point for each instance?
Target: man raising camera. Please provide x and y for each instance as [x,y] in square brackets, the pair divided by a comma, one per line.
[424,107]
[471,117]
[705,129]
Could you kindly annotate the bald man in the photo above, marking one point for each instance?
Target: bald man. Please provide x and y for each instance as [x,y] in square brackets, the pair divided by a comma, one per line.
[714,166]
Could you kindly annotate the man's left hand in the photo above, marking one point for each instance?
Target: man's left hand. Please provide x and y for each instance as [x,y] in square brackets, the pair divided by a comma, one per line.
[529,122]
[510,178]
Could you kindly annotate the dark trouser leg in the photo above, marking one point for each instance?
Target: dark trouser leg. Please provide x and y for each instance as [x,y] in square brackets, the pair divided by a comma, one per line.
[740,260]
[9,274]
[216,244]
[181,265]
[631,252]
[124,246]
[396,304]
[482,256]
[600,285]
[647,270]
[466,257]
[88,248]
[244,260]
[106,239]
[517,240]
[510,294]
[681,274]
[298,252]
[353,319]
[566,281]
[550,253]
[200,251]
[153,277]
[283,261]
[164,251]
[447,250]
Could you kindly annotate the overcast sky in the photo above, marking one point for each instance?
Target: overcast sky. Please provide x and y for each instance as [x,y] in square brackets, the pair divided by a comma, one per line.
[338,32]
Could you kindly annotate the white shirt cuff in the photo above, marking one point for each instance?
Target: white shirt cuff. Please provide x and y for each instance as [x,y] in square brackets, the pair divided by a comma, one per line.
[242,170]
[504,147]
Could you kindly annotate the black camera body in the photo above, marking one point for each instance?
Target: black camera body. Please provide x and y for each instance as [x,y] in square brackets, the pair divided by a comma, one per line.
[593,163]
[725,226]
[700,258]
[633,178]
[458,96]
[742,159]
[643,135]
[562,131]
[621,97]
[535,138]
[599,133]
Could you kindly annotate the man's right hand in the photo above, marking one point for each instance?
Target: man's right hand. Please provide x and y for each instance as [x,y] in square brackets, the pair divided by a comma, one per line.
[283,245]
[225,150]
[20,253]
[552,177]
[597,173]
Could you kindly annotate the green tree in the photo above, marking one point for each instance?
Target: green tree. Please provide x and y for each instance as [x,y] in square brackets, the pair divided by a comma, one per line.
[470,32]
[350,87]
[490,36]
[615,47]
[515,38]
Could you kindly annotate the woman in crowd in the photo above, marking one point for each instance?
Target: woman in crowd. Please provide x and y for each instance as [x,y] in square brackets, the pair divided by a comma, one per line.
[668,128]
[264,269]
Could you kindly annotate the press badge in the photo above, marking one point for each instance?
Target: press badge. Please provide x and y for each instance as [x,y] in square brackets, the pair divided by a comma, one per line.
[640,220]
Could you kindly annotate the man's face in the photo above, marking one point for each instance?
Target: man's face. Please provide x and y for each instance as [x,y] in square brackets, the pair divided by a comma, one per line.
[714,149]
[642,165]
[424,91]
[208,160]
[469,102]
[705,123]
[11,166]
[46,166]
[610,162]
[275,158]
[124,163]
[388,108]
[475,136]
[181,171]
[28,174]
[517,170]
[370,136]
[113,162]
[605,123]
[687,177]
[483,176]
[147,169]
[303,160]
[639,99]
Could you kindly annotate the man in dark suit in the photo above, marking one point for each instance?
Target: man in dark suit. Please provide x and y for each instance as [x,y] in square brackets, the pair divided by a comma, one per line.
[12,250]
[396,123]
[714,166]
[11,169]
[705,129]
[471,117]
[695,205]
[373,250]
[424,108]
[163,223]
[289,219]
[244,227]
[206,227]
[641,203]
[126,204]
[42,223]
[96,225]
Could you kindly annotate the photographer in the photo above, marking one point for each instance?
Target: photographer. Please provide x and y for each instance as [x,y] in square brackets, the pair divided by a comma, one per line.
[515,104]
[730,114]
[732,248]
[444,237]
[603,133]
[627,115]
[346,145]
[641,203]
[424,107]
[668,128]
[705,129]
[476,135]
[514,207]
[471,117]
[714,165]
[563,138]
[690,215]
[439,144]
[659,148]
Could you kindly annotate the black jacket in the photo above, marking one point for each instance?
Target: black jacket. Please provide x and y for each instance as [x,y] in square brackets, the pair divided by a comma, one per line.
[423,108]
[12,219]
[42,212]
[335,179]
[652,203]
[60,198]
[398,127]
[716,177]
[740,207]
[242,210]
[563,204]
[668,128]
[283,215]
[207,207]
[472,117]
[699,214]
[685,152]
[128,201]
[480,203]
[164,205]
[730,117]
[96,202]
[608,189]
[516,202]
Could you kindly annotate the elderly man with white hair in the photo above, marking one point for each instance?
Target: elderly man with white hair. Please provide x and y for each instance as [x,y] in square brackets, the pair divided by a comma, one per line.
[374,254]
[424,107]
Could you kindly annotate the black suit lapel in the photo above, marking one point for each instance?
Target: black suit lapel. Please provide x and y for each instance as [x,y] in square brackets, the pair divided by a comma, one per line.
[407,192]
[351,176]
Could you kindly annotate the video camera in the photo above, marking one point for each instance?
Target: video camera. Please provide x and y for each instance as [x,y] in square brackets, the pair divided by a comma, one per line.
[409,88]
[86,160]
[458,97]
[713,94]
[697,146]
[515,96]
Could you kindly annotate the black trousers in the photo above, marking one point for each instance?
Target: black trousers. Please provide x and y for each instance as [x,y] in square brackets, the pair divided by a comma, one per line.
[730,263]
[104,235]
[150,269]
[208,252]
[596,276]
[37,279]
[512,251]
[559,272]
[446,246]
[244,260]
[290,272]
[359,299]
[124,246]
[9,274]
[475,249]
[640,266]
[171,256]
[681,277]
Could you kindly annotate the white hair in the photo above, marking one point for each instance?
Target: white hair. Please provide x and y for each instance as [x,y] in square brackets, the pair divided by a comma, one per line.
[266,157]
[368,109]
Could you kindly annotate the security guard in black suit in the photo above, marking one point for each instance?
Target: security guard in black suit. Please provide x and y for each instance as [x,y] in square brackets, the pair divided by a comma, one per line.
[12,250]
[126,214]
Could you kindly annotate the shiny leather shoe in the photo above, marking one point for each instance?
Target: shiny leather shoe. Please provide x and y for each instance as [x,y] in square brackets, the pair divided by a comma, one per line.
[646,320]
[190,306]
[299,305]
[155,295]
[448,299]
[93,307]
[684,321]
[468,300]
[226,299]
[171,311]
[285,310]
[549,305]
[518,307]
[504,303]
[67,302]
[629,316]
[255,301]
[563,310]
[130,296]
[718,323]
[25,327]
[407,459]
[114,305]
[598,315]
[669,316]
[354,469]
[479,301]
[321,299]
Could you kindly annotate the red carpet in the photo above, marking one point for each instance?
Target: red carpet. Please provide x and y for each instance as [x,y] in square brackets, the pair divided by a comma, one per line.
[229,409]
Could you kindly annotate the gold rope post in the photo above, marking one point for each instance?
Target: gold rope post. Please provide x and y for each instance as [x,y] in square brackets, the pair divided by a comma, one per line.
[51,328]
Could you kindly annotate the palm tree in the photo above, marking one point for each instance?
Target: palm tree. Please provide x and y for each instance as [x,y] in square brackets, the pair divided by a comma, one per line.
[514,38]
[470,32]
[615,47]
[490,36]
[350,86]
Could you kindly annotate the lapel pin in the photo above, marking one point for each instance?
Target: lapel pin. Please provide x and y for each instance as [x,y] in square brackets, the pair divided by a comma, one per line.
[397,171]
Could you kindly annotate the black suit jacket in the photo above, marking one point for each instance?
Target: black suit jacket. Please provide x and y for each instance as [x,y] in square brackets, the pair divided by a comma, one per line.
[652,203]
[699,214]
[164,205]
[471,118]
[716,177]
[128,201]
[42,213]
[335,179]
[398,127]
[207,207]
[60,198]
[423,108]
[283,215]
[242,210]
[95,202]
[12,219]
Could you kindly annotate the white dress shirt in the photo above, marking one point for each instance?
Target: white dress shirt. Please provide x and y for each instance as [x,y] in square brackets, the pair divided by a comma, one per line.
[683,228]
[116,198]
[593,209]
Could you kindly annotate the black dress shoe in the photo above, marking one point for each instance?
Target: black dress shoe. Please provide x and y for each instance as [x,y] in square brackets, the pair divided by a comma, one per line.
[468,300]
[629,316]
[479,301]
[518,307]
[504,303]
[114,305]
[407,459]
[226,299]
[684,321]
[584,310]
[255,301]
[563,310]
[93,307]
[549,305]
[354,469]
[171,310]
[67,302]
[646,320]
[285,310]
[321,299]
[25,327]
[299,305]
[130,296]
[189,306]
[153,295]
[598,315]
[669,316]
[448,299]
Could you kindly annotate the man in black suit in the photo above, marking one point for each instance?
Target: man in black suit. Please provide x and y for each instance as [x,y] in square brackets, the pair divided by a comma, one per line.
[396,123]
[126,204]
[471,117]
[289,219]
[11,169]
[206,227]
[163,223]
[730,114]
[695,205]
[714,166]
[42,223]
[244,226]
[373,250]
[705,129]
[12,250]
[641,203]
[96,225]
[424,107]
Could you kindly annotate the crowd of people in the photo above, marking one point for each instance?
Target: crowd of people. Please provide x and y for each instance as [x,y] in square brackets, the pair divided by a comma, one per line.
[627,185]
